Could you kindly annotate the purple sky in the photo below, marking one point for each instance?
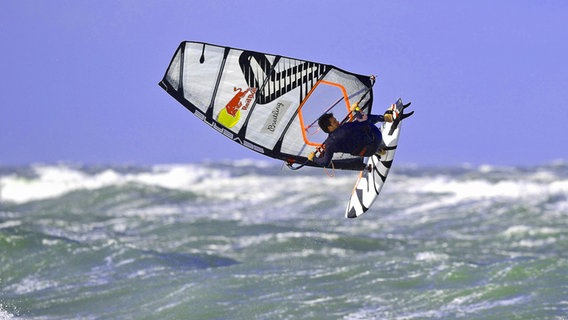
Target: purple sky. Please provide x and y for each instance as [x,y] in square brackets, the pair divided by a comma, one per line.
[488,79]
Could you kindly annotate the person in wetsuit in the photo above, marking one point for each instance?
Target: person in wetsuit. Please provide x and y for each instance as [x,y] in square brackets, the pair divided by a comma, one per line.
[360,137]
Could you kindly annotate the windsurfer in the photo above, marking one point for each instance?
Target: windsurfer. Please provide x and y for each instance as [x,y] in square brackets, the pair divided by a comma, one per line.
[360,137]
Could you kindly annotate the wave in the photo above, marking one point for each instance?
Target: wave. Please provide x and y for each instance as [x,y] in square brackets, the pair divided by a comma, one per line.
[78,237]
[46,182]
[262,180]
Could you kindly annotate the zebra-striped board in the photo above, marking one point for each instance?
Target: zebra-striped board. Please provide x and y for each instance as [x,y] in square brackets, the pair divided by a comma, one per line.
[372,179]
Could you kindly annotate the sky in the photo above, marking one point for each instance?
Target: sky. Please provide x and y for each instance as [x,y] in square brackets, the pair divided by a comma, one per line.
[487,79]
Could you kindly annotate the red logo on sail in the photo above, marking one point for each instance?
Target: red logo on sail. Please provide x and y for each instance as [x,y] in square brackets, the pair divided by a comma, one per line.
[230,115]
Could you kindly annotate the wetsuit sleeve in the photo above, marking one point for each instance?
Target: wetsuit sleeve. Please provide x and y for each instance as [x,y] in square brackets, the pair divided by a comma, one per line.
[353,164]
[326,159]
[374,118]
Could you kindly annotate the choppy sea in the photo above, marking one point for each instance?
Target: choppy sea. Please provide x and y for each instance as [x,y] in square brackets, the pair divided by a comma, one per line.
[247,240]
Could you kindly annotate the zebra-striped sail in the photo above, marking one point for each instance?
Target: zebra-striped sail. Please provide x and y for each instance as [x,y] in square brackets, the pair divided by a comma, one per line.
[268,103]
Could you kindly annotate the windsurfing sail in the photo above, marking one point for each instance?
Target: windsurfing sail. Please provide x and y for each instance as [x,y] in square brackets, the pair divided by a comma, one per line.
[268,103]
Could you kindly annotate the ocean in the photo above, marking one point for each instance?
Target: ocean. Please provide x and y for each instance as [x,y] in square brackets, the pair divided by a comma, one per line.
[253,240]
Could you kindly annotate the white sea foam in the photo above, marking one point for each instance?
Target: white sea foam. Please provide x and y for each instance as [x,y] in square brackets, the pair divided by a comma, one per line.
[479,189]
[4,315]
[54,181]
[522,230]
[431,256]
[31,284]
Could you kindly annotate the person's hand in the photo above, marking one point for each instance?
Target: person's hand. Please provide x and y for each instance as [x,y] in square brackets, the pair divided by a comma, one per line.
[311,156]
[355,107]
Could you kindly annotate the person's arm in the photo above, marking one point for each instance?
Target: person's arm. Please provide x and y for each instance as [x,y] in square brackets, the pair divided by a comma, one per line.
[374,118]
[323,161]
[361,117]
